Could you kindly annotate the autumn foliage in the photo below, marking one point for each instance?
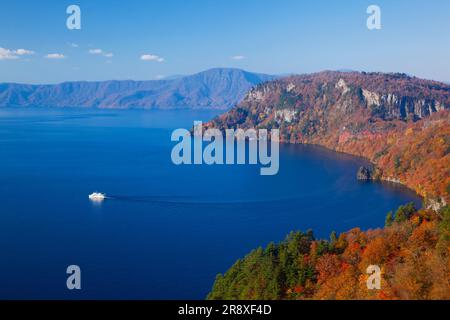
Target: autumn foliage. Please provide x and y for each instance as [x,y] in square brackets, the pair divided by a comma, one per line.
[413,255]
[400,123]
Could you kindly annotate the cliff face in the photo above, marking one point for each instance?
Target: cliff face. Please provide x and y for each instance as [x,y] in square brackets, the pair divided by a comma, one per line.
[215,89]
[400,123]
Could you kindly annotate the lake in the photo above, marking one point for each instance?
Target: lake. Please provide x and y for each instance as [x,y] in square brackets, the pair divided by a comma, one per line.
[168,230]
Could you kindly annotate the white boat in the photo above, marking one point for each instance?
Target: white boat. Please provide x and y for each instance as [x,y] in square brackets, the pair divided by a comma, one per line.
[97,196]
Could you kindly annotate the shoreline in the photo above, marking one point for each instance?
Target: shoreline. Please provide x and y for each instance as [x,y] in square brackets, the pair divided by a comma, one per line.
[431,204]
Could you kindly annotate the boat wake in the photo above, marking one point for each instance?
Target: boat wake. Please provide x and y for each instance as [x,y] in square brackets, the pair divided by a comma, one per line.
[151,199]
[192,200]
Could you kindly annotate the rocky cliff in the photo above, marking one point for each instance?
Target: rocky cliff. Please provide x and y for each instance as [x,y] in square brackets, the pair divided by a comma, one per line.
[400,123]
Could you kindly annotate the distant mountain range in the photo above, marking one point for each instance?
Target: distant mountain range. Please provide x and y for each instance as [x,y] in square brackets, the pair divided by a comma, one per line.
[218,88]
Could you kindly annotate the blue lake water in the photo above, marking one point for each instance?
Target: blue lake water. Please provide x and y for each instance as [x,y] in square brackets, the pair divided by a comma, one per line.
[168,229]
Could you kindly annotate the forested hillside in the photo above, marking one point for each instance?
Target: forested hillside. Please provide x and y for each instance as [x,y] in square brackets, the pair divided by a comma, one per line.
[412,252]
[400,123]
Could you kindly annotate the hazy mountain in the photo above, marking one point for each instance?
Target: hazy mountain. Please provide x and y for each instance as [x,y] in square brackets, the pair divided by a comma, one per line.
[215,88]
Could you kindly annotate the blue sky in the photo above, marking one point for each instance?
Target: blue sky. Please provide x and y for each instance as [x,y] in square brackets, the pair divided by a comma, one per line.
[270,36]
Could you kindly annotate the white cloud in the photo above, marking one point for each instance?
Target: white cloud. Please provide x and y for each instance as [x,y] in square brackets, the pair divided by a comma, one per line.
[152,57]
[239,57]
[8,54]
[101,52]
[74,45]
[22,52]
[160,77]
[54,56]
[95,51]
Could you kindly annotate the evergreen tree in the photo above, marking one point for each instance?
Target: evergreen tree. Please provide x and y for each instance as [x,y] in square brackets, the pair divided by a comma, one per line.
[405,212]
[333,240]
[389,219]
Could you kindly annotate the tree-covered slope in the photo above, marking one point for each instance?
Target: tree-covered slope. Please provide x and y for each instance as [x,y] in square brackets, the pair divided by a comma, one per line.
[412,252]
[400,123]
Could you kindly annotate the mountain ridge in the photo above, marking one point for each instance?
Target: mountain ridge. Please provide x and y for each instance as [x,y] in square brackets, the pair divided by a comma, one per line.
[217,88]
[400,123]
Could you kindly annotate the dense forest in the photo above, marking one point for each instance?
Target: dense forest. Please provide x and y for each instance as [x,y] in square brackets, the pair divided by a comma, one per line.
[412,251]
[402,125]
